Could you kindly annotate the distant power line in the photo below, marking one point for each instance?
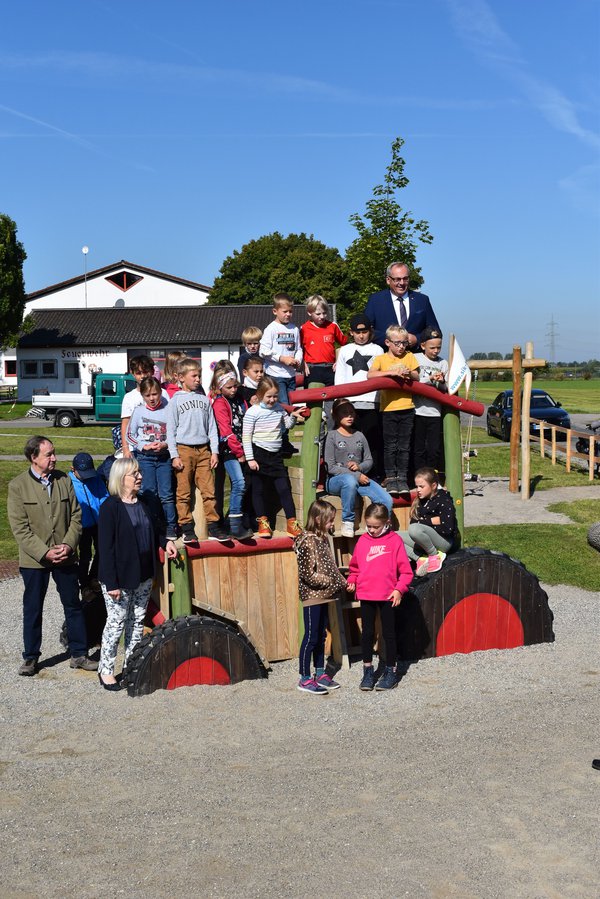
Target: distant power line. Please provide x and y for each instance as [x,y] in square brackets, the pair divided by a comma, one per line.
[552,334]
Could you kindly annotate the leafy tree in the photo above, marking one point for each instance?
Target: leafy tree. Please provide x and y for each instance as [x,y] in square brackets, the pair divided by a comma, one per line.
[478,357]
[386,233]
[496,356]
[297,264]
[12,286]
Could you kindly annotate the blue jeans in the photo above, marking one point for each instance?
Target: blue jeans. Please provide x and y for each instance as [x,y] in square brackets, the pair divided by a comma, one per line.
[157,487]
[347,486]
[36,584]
[238,486]
[285,387]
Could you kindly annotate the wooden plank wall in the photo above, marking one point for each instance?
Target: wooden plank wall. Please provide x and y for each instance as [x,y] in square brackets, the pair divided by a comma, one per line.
[260,590]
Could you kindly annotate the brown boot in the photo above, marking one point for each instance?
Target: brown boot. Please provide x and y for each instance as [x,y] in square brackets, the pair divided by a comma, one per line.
[294,528]
[264,528]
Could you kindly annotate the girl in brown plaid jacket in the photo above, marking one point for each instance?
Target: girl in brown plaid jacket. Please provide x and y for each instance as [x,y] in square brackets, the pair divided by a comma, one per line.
[320,582]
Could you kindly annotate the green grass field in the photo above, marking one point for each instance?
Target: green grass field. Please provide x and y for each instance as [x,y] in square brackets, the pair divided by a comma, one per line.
[556,553]
[10,411]
[574,395]
[494,461]
[8,471]
[97,441]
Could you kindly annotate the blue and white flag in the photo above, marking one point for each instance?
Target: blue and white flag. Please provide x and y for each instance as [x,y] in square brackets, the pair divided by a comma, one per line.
[459,371]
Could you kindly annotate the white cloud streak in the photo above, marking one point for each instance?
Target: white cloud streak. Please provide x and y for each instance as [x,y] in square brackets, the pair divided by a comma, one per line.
[55,131]
[126,70]
[60,132]
[480,31]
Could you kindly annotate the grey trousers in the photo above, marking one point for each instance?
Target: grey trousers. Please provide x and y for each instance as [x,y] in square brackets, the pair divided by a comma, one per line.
[423,540]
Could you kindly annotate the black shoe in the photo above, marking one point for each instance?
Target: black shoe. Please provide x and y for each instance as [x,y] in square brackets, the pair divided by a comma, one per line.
[217,532]
[190,536]
[84,663]
[388,681]
[392,486]
[596,764]
[238,531]
[369,679]
[28,668]
[113,688]
[288,449]
[402,487]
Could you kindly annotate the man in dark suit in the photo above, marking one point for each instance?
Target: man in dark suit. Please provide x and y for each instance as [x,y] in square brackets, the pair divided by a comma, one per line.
[399,305]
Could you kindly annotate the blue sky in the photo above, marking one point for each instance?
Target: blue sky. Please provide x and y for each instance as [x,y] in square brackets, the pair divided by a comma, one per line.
[171,134]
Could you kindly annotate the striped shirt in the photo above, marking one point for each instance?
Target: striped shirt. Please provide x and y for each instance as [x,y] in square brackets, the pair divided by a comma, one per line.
[264,427]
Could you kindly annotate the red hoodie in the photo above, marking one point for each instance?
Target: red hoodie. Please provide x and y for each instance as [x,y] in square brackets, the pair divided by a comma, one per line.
[378,566]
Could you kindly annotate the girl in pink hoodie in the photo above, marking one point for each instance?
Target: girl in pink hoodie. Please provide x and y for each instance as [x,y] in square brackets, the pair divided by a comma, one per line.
[380,574]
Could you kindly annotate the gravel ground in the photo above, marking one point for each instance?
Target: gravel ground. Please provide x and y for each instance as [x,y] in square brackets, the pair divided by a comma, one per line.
[472,779]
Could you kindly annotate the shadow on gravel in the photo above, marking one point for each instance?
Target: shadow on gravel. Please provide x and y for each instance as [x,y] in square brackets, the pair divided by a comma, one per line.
[534,482]
[54,660]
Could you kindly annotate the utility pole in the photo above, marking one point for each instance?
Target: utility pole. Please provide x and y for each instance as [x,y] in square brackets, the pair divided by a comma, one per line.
[85,251]
[552,334]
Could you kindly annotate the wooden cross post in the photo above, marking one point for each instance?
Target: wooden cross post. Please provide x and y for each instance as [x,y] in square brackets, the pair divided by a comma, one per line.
[525,448]
[515,429]
[522,374]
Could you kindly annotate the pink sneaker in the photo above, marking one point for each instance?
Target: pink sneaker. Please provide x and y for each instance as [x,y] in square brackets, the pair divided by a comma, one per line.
[433,564]
[421,568]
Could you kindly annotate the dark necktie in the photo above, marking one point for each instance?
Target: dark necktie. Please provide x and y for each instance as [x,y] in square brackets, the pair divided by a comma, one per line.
[402,313]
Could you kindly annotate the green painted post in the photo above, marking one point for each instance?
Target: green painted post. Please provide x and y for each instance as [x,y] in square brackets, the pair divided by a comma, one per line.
[310,455]
[310,458]
[181,598]
[454,465]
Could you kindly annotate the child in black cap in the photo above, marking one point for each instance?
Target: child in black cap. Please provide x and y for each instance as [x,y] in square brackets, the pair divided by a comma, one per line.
[353,362]
[91,492]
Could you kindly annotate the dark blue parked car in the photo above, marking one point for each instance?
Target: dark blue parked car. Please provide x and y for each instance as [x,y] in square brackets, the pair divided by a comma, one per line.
[542,406]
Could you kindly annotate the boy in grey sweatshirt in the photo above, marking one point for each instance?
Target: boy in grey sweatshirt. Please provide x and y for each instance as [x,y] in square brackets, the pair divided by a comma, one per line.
[193,441]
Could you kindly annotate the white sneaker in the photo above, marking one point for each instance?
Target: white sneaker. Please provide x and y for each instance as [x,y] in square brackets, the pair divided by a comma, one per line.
[347,529]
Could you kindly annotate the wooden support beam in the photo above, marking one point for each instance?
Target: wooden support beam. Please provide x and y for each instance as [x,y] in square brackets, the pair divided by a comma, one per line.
[525,445]
[503,364]
[515,430]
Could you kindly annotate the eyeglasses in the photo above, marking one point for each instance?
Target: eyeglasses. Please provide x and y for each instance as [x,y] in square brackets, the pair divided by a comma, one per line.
[133,474]
[398,342]
[398,280]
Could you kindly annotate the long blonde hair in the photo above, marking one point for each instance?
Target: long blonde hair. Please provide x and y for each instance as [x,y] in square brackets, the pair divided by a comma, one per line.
[432,477]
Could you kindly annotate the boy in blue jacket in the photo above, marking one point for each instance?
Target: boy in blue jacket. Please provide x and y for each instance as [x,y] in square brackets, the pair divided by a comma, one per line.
[91,492]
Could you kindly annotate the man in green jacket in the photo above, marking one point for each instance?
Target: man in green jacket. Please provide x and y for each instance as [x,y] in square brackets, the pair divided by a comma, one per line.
[45,518]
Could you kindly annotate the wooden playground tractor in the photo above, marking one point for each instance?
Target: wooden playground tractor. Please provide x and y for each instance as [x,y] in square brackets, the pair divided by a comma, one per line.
[232,609]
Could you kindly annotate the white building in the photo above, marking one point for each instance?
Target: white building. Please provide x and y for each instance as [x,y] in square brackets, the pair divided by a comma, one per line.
[123,285]
[129,310]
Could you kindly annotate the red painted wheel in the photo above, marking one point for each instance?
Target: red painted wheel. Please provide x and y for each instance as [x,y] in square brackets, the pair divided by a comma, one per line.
[188,651]
[478,600]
